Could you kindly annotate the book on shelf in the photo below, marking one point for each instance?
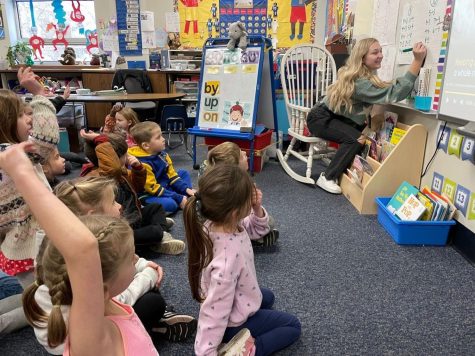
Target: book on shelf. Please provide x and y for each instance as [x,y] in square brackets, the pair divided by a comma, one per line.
[411,209]
[370,149]
[397,135]
[389,123]
[386,148]
[358,168]
[429,204]
[354,177]
[401,195]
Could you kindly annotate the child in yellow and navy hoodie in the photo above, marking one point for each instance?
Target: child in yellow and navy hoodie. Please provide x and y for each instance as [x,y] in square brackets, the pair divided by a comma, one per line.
[163,184]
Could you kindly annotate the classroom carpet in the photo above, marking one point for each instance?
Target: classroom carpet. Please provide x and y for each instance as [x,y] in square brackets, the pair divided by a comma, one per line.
[354,290]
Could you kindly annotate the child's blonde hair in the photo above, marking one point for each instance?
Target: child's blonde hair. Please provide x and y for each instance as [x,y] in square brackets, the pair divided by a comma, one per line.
[130,115]
[83,193]
[115,246]
[222,190]
[11,108]
[226,152]
[340,92]
[143,131]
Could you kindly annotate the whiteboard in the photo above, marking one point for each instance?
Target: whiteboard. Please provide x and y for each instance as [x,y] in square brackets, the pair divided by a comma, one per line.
[458,94]
[228,88]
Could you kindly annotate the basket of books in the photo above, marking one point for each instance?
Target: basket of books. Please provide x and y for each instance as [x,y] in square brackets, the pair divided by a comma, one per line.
[414,217]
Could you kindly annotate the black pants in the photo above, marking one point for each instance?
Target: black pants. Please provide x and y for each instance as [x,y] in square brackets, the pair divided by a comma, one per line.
[327,125]
[153,224]
[150,308]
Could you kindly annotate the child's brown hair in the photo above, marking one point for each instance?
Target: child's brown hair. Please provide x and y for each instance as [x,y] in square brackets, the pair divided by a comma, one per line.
[143,131]
[117,142]
[226,152]
[223,191]
[115,246]
[11,108]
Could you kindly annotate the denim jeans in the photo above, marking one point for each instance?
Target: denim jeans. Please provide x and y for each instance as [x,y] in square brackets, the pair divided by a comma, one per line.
[272,330]
[9,286]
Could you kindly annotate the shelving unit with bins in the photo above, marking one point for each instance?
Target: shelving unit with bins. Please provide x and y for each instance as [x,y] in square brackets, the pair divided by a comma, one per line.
[404,163]
[184,75]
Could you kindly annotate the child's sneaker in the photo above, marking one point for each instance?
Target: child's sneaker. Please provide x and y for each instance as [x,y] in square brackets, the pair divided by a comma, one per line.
[267,240]
[169,224]
[169,245]
[175,327]
[242,344]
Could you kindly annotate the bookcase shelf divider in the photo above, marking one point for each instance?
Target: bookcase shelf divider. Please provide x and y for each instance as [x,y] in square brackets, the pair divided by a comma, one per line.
[404,163]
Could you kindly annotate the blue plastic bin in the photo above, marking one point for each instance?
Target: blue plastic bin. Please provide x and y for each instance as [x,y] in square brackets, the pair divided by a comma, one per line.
[412,232]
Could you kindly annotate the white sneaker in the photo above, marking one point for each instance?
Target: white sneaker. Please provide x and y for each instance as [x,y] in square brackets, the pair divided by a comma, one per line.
[169,245]
[331,186]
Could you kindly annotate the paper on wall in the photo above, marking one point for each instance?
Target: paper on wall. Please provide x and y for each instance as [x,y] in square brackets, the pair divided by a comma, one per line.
[384,21]
[172,22]
[147,21]
[148,39]
[386,72]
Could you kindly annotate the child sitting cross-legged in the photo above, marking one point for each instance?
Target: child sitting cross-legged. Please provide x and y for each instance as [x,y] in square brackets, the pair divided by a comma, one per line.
[87,262]
[109,158]
[230,153]
[164,185]
[95,195]
[221,268]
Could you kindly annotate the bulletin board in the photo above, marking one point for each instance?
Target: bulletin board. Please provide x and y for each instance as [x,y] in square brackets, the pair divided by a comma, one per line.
[128,26]
[285,22]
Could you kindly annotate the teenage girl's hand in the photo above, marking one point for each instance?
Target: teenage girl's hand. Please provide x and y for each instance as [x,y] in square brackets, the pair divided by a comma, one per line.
[256,202]
[183,203]
[159,270]
[190,192]
[90,135]
[419,51]
[29,80]
[14,159]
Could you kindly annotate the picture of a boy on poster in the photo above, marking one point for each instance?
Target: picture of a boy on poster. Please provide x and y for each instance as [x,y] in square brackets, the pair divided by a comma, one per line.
[297,14]
[191,15]
[237,114]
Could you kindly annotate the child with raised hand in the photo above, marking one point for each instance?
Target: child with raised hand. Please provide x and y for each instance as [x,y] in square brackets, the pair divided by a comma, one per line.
[95,195]
[221,268]
[164,185]
[94,263]
[18,249]
[230,153]
[120,120]
[109,158]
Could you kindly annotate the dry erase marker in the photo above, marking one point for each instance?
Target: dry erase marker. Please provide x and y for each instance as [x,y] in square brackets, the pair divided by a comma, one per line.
[405,50]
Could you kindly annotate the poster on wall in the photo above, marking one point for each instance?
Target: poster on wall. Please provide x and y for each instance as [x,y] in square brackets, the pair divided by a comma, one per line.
[286,23]
[128,26]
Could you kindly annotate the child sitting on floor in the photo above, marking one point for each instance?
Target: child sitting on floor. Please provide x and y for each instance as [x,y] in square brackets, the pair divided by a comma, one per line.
[221,268]
[54,166]
[230,153]
[164,185]
[120,120]
[95,195]
[109,158]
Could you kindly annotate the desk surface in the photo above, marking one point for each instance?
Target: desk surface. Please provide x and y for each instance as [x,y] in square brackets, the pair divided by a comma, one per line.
[124,97]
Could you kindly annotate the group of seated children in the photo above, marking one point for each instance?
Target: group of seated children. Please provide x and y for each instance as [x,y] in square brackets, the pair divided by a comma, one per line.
[74,251]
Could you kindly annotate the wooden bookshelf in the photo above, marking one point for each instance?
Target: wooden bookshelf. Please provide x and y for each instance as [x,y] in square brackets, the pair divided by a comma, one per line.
[404,163]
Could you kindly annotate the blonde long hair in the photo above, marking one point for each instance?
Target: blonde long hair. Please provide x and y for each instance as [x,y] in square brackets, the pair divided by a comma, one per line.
[340,92]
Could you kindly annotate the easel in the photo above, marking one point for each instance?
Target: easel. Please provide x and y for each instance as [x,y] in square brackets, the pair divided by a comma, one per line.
[258,92]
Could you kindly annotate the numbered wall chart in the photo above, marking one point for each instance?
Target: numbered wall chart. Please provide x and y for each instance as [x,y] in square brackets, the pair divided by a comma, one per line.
[128,25]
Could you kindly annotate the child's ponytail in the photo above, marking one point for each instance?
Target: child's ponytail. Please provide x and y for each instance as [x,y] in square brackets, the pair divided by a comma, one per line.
[200,247]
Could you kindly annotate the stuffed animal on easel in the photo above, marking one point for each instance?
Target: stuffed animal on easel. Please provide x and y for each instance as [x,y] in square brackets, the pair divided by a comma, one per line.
[237,34]
[68,57]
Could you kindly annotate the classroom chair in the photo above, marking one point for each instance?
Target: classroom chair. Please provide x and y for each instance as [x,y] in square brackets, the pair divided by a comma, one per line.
[306,71]
[174,121]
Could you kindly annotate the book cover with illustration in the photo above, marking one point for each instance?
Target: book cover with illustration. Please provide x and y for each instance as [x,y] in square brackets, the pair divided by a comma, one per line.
[401,195]
[386,148]
[390,121]
[429,204]
[411,209]
[397,135]
[370,149]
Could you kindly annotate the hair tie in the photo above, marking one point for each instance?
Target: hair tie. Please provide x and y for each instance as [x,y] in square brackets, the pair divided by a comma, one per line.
[197,196]
[57,306]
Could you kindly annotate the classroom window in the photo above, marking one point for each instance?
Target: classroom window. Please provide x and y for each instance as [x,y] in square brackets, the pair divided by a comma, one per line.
[44,15]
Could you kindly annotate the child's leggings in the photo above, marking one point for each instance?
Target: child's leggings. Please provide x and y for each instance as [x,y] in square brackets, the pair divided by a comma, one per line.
[272,330]
[169,204]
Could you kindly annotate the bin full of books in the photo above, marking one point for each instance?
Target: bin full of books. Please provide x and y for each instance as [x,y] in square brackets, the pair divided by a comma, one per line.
[416,217]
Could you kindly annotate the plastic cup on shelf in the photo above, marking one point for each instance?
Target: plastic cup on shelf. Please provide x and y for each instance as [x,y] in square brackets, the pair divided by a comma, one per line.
[423,103]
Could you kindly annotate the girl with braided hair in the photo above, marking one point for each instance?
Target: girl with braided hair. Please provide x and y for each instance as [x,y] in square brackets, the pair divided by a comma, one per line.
[87,261]
[221,271]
